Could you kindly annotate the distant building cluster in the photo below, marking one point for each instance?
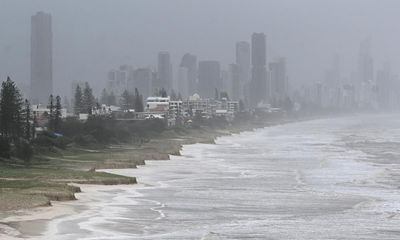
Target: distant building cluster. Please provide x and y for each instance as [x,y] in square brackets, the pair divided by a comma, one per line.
[363,89]
[250,79]
[175,111]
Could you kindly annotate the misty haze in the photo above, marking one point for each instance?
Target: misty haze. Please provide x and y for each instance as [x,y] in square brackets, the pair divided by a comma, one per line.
[199,119]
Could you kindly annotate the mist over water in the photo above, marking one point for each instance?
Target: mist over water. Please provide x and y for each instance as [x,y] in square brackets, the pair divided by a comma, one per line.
[95,84]
[322,179]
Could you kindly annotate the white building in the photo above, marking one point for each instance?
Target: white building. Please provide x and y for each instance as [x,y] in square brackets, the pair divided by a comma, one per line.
[209,107]
[157,104]
[175,108]
[41,113]
[195,105]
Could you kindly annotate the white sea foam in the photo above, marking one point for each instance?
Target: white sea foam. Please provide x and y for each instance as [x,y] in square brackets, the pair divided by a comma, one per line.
[296,181]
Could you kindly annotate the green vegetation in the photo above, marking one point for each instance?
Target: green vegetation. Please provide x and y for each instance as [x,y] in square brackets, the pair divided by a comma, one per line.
[107,98]
[15,125]
[31,187]
[99,131]
[132,101]
[38,166]
[84,100]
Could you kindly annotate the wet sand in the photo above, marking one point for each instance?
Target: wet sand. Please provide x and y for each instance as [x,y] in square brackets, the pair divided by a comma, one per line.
[310,180]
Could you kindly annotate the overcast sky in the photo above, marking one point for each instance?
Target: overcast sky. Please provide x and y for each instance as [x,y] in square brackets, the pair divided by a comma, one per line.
[94,36]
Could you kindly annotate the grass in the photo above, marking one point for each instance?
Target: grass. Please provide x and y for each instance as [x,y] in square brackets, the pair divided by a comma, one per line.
[55,175]
[31,187]
[51,173]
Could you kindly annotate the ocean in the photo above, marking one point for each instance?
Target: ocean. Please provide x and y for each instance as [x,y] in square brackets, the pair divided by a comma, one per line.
[335,178]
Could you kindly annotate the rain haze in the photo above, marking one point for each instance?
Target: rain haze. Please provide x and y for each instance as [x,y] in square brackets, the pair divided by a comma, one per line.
[199,119]
[93,36]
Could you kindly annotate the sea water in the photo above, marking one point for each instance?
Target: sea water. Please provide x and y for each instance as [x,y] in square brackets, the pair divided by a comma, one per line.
[333,178]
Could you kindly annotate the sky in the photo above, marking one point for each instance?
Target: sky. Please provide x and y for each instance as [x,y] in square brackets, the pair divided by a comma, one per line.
[92,37]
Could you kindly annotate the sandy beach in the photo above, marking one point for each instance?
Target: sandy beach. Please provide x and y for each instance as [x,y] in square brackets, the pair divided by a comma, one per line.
[303,180]
[33,222]
[44,221]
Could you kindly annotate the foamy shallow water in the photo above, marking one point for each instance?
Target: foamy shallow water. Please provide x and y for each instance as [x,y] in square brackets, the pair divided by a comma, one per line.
[321,179]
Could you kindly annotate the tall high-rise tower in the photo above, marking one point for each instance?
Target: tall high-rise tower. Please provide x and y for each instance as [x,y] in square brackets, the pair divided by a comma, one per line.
[243,57]
[235,79]
[278,79]
[41,58]
[189,62]
[209,78]
[142,81]
[258,50]
[259,83]
[365,63]
[365,72]
[164,71]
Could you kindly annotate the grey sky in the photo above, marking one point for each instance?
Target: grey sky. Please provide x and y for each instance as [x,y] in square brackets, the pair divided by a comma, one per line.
[93,36]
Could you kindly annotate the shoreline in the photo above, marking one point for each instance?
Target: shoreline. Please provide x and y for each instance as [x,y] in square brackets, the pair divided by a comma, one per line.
[33,222]
[43,221]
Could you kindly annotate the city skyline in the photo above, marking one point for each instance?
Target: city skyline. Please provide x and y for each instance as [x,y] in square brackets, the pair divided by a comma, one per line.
[199,119]
[251,75]
[119,39]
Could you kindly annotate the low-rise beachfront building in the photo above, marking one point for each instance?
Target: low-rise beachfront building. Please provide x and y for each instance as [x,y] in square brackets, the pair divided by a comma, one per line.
[175,111]
[175,114]
[163,108]
[210,107]
[157,104]
[140,116]
[175,107]
[83,117]
[196,105]
[106,110]
[41,114]
[227,108]
[233,106]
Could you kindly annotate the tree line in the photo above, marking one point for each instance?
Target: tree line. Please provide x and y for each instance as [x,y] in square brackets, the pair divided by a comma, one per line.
[18,123]
[85,102]
[19,138]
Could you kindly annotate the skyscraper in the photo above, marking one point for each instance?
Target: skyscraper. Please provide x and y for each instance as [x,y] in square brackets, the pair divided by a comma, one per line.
[387,85]
[243,69]
[333,75]
[164,71]
[183,82]
[278,79]
[141,79]
[189,62]
[365,75]
[209,78]
[117,81]
[258,50]
[383,86]
[259,82]
[365,63]
[332,88]
[226,80]
[235,75]
[41,58]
